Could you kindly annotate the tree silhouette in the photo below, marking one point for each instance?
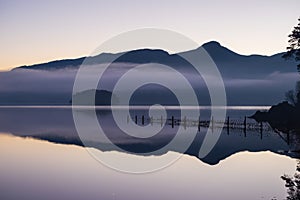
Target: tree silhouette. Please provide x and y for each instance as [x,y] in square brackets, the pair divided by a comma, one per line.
[293,96]
[293,50]
[292,183]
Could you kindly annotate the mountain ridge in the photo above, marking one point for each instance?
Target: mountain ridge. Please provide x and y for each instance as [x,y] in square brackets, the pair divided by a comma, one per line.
[218,53]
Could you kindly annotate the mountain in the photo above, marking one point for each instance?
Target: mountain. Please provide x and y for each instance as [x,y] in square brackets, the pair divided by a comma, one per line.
[248,79]
[234,65]
[227,61]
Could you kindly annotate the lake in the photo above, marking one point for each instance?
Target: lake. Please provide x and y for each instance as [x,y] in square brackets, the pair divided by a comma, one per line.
[45,155]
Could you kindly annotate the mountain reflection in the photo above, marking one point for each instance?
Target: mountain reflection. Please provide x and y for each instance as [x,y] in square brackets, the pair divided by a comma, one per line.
[57,125]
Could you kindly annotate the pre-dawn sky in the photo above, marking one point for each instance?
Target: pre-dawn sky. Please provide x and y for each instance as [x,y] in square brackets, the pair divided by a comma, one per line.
[35,31]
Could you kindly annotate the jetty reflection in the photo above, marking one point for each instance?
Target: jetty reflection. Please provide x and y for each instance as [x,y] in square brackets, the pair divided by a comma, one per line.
[238,132]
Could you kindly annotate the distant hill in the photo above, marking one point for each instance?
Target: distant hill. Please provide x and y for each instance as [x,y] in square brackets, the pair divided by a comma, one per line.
[230,64]
[100,97]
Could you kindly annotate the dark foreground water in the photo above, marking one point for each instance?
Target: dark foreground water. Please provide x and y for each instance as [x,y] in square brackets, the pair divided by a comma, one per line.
[43,157]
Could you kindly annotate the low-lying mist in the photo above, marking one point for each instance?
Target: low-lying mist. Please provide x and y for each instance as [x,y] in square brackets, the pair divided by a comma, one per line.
[40,87]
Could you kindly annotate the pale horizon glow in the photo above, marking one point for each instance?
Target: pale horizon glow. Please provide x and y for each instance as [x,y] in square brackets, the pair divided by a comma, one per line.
[36,31]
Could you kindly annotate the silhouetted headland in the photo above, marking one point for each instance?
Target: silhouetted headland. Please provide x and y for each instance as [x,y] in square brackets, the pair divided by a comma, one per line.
[283,117]
[92,97]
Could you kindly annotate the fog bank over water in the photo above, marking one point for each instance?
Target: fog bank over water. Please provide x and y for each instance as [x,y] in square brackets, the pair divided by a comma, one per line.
[29,87]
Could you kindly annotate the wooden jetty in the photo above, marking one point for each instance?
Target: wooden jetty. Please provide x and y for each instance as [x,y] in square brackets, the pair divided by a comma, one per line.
[229,123]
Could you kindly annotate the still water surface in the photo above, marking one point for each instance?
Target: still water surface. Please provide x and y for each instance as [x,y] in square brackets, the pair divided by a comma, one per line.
[42,158]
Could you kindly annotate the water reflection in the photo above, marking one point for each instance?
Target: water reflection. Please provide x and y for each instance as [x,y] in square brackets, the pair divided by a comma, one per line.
[57,125]
[292,183]
[37,169]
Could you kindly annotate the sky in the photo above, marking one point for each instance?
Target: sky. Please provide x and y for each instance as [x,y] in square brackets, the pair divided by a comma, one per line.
[36,31]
